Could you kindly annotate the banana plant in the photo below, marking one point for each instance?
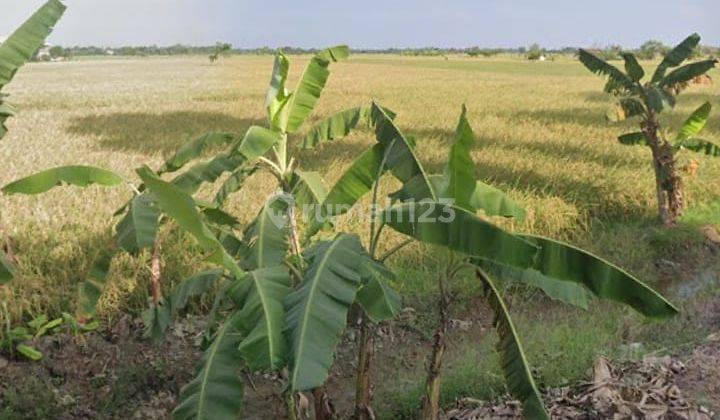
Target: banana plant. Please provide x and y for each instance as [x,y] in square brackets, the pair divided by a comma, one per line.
[647,100]
[17,49]
[137,229]
[442,210]
[424,214]
[275,296]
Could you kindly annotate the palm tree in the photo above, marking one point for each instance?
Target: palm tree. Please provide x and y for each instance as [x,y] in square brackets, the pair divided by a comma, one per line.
[647,100]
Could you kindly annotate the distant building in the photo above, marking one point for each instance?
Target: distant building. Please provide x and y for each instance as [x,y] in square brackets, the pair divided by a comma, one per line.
[43,53]
[109,51]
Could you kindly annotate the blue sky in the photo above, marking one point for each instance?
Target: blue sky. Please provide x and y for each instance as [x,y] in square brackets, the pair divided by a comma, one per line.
[376,23]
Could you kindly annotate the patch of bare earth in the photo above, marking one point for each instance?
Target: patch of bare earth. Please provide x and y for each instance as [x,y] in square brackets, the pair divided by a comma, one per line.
[654,388]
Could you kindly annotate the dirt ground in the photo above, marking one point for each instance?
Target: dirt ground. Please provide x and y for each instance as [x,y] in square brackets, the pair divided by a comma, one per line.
[115,374]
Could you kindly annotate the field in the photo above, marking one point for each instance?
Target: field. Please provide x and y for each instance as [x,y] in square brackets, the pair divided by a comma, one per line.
[540,134]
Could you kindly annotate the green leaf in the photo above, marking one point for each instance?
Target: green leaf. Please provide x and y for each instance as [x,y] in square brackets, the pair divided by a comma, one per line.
[688,72]
[317,310]
[29,352]
[571,293]
[219,217]
[459,230]
[90,290]
[379,301]
[6,269]
[233,183]
[156,319]
[194,149]
[180,206]
[401,159]
[624,109]
[676,56]
[260,295]
[277,95]
[605,280]
[308,188]
[137,230]
[618,82]
[6,111]
[80,176]
[632,67]
[49,326]
[491,200]
[256,142]
[216,393]
[200,173]
[700,146]
[22,44]
[460,168]
[335,127]
[514,364]
[494,202]
[695,123]
[311,84]
[196,285]
[633,139]
[656,99]
[267,236]
[357,181]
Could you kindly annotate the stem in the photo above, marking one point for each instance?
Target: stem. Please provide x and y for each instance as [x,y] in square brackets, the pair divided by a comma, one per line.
[281,153]
[363,395]
[395,249]
[431,400]
[155,273]
[375,236]
[668,183]
[274,168]
[291,406]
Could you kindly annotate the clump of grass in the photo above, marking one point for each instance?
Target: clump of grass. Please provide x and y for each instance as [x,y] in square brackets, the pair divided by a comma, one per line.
[28,399]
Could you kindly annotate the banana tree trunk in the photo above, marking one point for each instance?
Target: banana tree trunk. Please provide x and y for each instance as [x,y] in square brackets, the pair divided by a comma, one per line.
[363,393]
[324,409]
[430,409]
[669,187]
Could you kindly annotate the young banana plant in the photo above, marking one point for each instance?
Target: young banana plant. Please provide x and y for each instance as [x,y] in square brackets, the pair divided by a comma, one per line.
[14,52]
[423,212]
[137,230]
[558,269]
[281,306]
[647,100]
[280,309]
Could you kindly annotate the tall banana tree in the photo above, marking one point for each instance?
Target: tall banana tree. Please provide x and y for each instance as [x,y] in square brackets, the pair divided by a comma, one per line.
[14,52]
[647,99]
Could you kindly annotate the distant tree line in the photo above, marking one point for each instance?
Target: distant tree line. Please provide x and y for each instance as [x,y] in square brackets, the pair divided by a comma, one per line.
[647,51]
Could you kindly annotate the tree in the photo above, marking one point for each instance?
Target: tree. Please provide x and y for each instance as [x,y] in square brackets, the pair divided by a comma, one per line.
[14,52]
[646,101]
[651,49]
[221,48]
[534,52]
[57,51]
